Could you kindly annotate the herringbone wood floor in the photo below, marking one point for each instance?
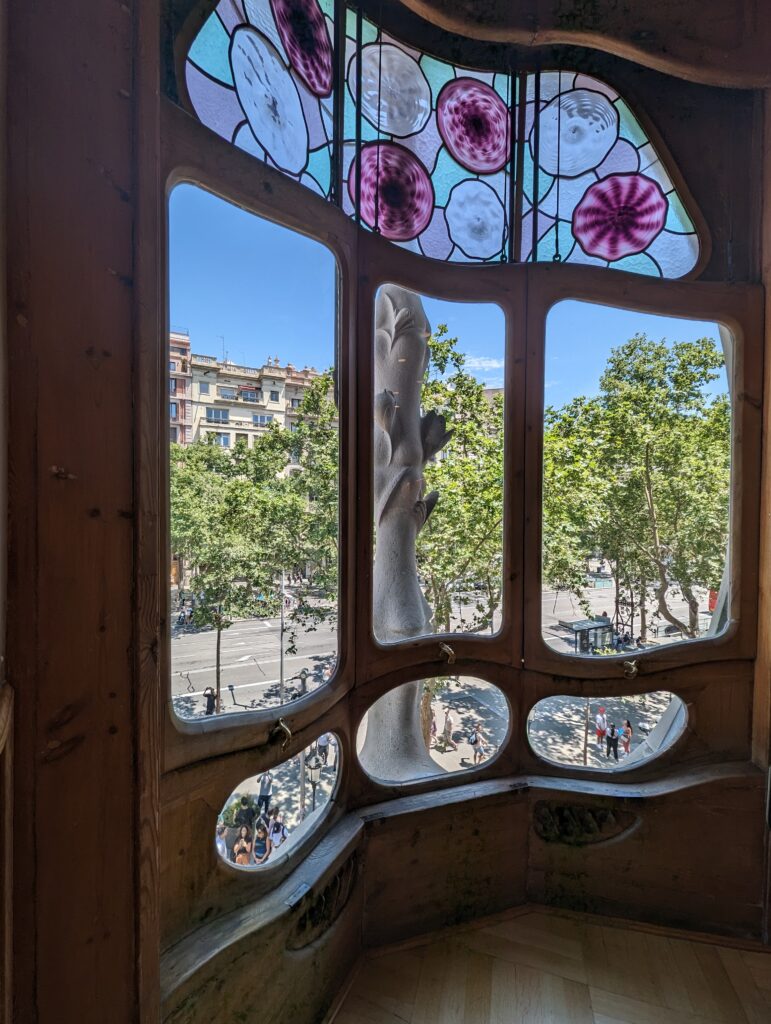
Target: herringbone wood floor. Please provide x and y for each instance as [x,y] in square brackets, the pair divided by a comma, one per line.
[543,967]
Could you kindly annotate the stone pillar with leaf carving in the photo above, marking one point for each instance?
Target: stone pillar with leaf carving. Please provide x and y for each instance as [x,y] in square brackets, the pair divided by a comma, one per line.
[394,748]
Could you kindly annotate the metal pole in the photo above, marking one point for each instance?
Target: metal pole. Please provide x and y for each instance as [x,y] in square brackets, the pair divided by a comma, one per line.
[281,647]
[302,784]
[313,787]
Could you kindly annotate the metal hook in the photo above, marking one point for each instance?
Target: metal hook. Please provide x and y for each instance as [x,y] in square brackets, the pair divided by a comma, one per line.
[282,729]
[630,669]
[449,652]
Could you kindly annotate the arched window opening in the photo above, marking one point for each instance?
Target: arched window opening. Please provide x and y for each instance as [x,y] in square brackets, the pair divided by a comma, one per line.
[253,461]
[636,480]
[269,814]
[448,724]
[607,733]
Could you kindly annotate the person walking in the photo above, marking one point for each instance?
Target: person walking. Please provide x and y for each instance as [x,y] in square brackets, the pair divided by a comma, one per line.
[611,742]
[266,789]
[626,737]
[601,727]
[449,728]
[242,847]
[245,814]
[322,747]
[220,843]
[478,743]
[277,831]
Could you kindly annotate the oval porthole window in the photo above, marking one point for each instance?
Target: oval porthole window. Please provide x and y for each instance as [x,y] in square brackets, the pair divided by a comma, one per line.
[432,726]
[269,813]
[605,733]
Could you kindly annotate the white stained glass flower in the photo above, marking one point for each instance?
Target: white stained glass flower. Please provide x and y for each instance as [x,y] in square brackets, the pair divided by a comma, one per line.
[270,99]
[475,219]
[576,132]
[393,84]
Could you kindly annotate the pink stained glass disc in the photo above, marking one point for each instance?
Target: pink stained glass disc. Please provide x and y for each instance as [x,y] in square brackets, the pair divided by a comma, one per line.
[474,124]
[304,34]
[396,183]
[619,216]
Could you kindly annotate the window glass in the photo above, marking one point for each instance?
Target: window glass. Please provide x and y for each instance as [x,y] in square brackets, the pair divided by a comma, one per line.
[274,396]
[254,517]
[608,732]
[445,724]
[269,813]
[261,74]
[173,410]
[203,388]
[438,466]
[637,469]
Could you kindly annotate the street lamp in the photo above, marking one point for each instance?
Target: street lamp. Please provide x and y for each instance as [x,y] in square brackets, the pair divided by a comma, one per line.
[314,765]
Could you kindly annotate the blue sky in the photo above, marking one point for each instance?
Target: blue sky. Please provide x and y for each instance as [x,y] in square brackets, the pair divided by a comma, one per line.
[251,289]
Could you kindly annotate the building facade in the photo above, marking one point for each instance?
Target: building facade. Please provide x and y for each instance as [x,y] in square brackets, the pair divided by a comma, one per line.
[180,388]
[229,401]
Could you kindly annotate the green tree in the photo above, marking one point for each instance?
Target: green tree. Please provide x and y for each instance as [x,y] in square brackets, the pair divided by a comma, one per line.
[462,542]
[641,474]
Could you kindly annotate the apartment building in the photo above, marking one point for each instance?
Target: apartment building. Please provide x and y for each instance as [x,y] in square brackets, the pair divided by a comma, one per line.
[234,402]
[180,388]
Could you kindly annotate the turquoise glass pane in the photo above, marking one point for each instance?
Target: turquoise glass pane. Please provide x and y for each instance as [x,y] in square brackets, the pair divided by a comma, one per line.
[210,50]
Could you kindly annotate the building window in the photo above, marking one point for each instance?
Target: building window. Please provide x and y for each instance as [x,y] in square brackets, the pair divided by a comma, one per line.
[262,420]
[173,410]
[242,438]
[203,387]
[172,387]
[227,393]
[274,396]
[217,415]
[296,403]
[248,395]
[172,365]
[173,435]
[223,440]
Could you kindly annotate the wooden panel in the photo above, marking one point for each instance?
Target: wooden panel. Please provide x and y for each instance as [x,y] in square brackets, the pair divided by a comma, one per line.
[727,44]
[6,852]
[70,230]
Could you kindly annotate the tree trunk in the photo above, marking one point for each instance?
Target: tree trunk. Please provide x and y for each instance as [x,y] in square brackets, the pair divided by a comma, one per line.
[693,611]
[643,610]
[426,716]
[394,748]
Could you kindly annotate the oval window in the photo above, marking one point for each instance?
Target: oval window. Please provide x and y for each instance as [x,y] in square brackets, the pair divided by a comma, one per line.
[431,726]
[272,811]
[605,733]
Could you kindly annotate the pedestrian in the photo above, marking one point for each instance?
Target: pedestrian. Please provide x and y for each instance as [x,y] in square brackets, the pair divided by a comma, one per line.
[266,789]
[434,730]
[244,816]
[322,746]
[242,847]
[601,727]
[626,736]
[222,849]
[277,831]
[262,845]
[611,742]
[211,700]
[449,728]
[478,743]
[332,750]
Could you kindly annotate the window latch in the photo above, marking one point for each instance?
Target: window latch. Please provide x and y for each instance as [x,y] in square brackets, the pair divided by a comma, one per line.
[448,652]
[282,730]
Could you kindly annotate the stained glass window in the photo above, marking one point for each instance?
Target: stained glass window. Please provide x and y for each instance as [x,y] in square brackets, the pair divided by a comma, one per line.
[260,73]
[428,147]
[434,149]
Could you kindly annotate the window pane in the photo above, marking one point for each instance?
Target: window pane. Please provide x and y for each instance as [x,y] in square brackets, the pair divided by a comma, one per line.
[254,515]
[637,468]
[264,819]
[438,466]
[606,733]
[453,723]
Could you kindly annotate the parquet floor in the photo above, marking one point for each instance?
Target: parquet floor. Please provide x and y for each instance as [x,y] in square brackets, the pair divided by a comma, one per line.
[543,967]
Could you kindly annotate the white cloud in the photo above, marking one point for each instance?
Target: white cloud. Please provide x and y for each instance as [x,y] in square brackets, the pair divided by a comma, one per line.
[483,363]
[552,383]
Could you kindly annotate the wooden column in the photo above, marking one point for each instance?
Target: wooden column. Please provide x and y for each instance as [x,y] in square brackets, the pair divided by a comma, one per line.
[71,313]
